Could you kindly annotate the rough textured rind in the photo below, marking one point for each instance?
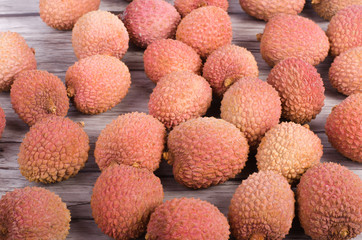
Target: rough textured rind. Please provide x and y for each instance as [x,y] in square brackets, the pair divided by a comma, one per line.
[328,8]
[293,36]
[99,32]
[289,149]
[123,199]
[188,219]
[344,128]
[253,106]
[184,7]
[300,88]
[97,83]
[150,20]
[205,29]
[33,213]
[344,30]
[2,121]
[206,151]
[15,56]
[330,203]
[167,55]
[226,64]
[54,150]
[38,94]
[179,96]
[134,139]
[265,9]
[62,15]
[262,207]
[345,73]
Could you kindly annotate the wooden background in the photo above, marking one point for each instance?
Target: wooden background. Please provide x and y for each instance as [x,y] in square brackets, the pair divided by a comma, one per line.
[54,53]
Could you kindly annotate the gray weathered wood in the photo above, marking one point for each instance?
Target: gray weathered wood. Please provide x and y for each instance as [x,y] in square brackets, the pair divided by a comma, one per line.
[54,53]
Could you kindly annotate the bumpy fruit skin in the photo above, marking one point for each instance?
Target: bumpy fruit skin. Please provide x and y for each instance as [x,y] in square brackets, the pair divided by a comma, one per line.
[345,73]
[344,30]
[123,199]
[33,213]
[97,83]
[344,129]
[266,9]
[328,8]
[188,219]
[15,56]
[262,207]
[99,32]
[54,150]
[38,94]
[2,121]
[184,7]
[293,36]
[253,106]
[330,203]
[62,15]
[150,20]
[206,151]
[205,29]
[178,97]
[167,55]
[289,149]
[227,64]
[300,88]
[134,139]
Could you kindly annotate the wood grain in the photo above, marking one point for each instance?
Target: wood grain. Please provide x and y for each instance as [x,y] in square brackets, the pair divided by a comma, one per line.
[54,53]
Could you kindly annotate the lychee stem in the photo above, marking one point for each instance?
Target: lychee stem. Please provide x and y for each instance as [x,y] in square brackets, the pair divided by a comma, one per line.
[52,108]
[166,156]
[259,36]
[70,92]
[306,126]
[343,233]
[81,124]
[230,80]
[316,1]
[33,50]
[257,236]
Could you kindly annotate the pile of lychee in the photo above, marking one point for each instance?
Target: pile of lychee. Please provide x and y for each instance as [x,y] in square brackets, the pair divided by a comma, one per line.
[189,56]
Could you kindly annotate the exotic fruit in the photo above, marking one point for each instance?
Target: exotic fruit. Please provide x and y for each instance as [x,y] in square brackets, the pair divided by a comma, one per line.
[179,96]
[167,55]
[2,121]
[206,151]
[300,89]
[123,199]
[63,15]
[205,29]
[184,7]
[15,56]
[265,9]
[293,36]
[262,207]
[328,8]
[38,94]
[134,139]
[97,83]
[289,149]
[99,32]
[187,218]
[344,30]
[33,213]
[227,64]
[253,106]
[344,129]
[330,203]
[54,150]
[345,73]
[150,20]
